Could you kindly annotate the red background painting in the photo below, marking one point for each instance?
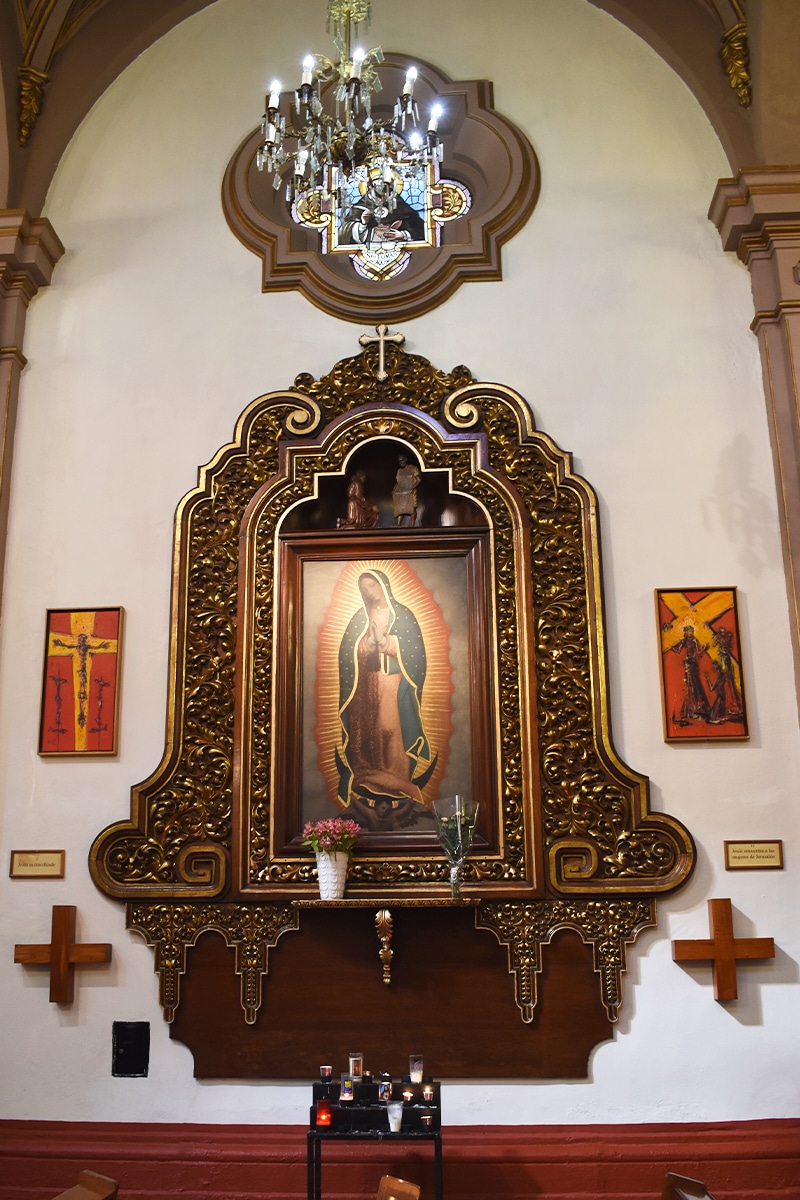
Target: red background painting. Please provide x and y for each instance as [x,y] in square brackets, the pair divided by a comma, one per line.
[706,610]
[60,729]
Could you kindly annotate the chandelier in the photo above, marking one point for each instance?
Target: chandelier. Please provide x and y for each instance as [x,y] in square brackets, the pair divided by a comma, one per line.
[329,130]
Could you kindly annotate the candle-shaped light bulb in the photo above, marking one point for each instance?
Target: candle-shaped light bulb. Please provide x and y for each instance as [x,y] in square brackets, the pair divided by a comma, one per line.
[411,78]
[274,94]
[415,140]
[436,112]
[308,68]
[358,62]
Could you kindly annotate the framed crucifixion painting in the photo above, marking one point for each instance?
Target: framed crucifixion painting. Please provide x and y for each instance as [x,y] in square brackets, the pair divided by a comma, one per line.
[80,683]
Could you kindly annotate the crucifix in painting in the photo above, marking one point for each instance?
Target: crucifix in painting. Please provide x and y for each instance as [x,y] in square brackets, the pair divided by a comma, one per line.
[79,691]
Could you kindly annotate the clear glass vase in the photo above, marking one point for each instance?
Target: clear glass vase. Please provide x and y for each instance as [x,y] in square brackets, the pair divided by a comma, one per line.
[455,818]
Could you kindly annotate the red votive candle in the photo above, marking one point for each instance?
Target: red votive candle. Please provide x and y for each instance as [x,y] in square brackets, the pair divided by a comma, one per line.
[323,1112]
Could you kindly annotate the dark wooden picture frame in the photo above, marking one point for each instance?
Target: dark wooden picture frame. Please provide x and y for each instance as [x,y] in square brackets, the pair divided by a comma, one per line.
[444,577]
[80,681]
[702,681]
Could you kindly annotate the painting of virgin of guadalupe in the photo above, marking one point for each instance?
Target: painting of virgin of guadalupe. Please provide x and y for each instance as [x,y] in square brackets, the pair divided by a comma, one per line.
[384,730]
[385,757]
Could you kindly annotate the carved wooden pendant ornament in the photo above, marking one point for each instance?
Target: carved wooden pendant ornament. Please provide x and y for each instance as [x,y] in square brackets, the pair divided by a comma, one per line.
[324,664]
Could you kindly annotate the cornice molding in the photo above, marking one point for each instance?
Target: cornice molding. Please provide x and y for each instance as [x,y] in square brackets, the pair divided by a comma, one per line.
[756,198]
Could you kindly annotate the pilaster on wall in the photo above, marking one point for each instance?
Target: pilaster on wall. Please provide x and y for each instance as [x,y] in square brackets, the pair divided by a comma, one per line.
[758,215]
[29,250]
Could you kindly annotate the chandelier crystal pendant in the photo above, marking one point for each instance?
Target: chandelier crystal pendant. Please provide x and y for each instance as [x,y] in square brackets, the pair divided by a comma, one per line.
[318,147]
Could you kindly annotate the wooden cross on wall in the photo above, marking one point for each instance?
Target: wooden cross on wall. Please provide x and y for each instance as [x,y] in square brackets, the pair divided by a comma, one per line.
[63,954]
[723,949]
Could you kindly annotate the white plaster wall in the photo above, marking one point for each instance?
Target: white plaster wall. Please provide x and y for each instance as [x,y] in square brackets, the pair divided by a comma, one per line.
[625,326]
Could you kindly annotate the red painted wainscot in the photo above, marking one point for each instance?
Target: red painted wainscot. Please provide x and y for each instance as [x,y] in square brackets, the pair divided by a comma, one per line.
[738,1160]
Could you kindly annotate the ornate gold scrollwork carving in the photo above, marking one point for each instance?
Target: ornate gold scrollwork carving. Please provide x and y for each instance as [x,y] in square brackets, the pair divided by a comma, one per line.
[608,925]
[178,841]
[461,413]
[251,930]
[566,798]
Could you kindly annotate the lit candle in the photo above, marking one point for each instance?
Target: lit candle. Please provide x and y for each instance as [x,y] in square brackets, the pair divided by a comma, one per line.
[427,1092]
[433,125]
[408,1095]
[358,61]
[308,68]
[411,78]
[274,94]
[323,1112]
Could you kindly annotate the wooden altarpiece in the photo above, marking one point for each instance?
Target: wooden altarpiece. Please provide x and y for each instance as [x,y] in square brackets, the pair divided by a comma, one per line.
[520,977]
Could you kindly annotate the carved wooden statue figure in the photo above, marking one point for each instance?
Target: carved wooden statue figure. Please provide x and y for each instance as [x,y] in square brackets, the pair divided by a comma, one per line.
[404,492]
[360,513]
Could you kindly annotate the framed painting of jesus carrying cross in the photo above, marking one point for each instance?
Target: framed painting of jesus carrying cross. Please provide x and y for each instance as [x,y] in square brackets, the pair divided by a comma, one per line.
[702,682]
[80,684]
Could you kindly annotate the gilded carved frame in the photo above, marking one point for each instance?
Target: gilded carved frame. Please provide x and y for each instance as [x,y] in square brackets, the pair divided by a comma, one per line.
[577,845]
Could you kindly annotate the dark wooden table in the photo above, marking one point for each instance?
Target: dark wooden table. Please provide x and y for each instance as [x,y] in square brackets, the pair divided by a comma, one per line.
[318,1137]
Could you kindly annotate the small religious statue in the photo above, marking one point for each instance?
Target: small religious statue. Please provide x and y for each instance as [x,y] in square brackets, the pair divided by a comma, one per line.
[360,513]
[404,492]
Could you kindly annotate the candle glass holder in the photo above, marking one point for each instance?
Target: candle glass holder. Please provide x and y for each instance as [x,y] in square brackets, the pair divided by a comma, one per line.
[455,818]
[394,1111]
[356,1064]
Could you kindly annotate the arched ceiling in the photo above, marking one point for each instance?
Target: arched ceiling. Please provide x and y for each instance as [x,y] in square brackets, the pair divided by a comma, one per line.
[58,56]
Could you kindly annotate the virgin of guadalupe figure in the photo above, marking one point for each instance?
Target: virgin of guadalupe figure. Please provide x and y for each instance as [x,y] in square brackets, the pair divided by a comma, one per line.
[384,760]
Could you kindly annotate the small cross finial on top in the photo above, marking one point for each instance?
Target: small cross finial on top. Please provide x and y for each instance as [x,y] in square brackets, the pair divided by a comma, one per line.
[383,337]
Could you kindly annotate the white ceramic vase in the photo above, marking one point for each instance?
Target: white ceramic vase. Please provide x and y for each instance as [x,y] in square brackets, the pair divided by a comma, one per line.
[332,873]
